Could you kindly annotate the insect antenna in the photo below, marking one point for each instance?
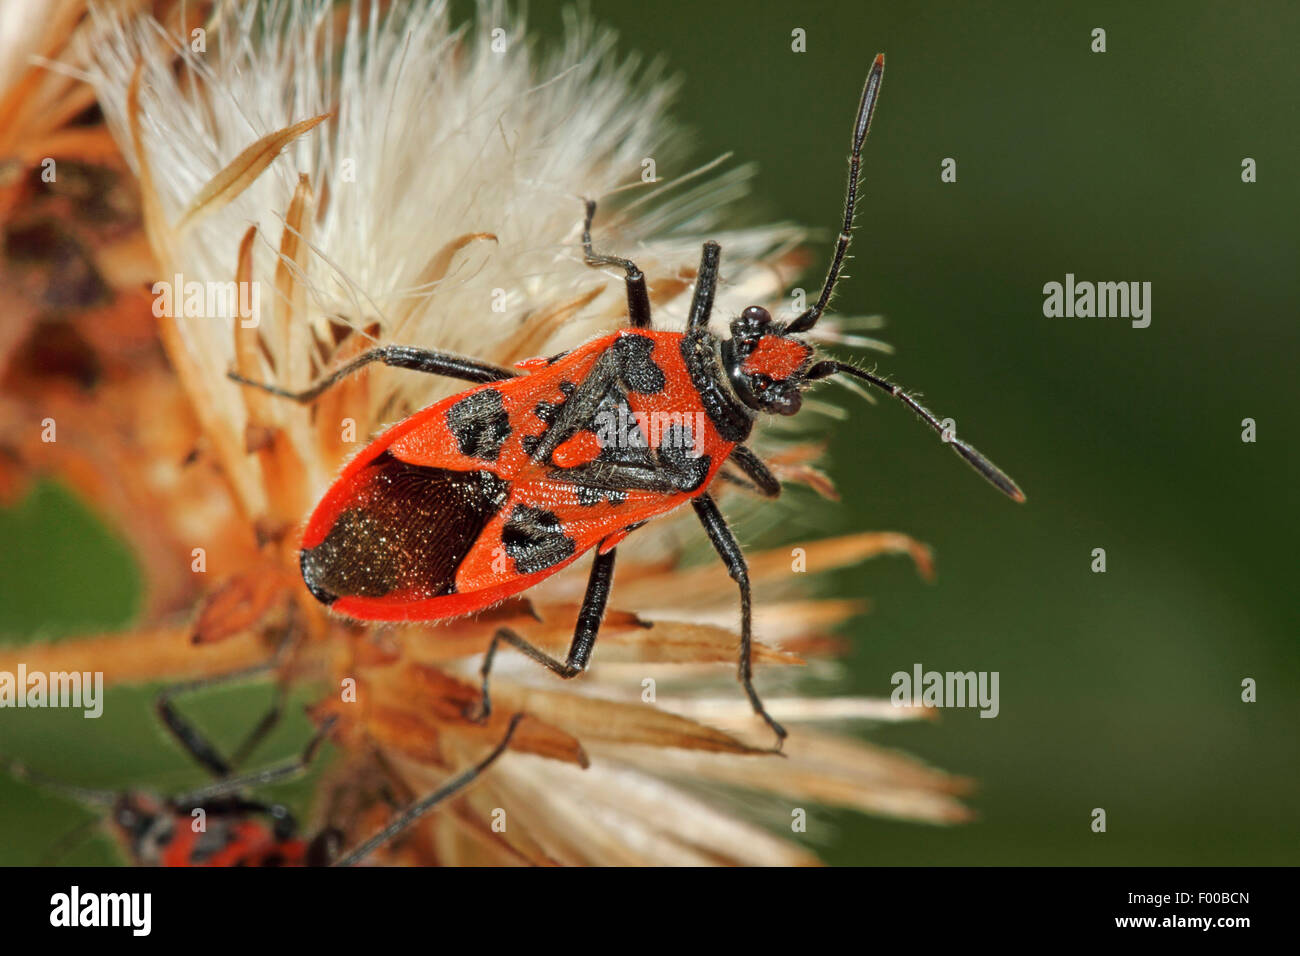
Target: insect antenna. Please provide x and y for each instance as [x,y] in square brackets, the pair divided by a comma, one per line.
[870,92]
[85,795]
[991,472]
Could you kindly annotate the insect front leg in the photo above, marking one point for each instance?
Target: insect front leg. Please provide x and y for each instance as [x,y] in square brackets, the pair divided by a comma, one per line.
[394,356]
[584,633]
[638,297]
[725,544]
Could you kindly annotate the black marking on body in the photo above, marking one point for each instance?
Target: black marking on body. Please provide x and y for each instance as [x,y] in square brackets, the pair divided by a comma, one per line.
[728,414]
[409,529]
[480,424]
[545,411]
[636,370]
[535,539]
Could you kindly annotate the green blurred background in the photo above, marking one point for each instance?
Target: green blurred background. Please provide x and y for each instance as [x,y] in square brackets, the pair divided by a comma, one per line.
[1118,690]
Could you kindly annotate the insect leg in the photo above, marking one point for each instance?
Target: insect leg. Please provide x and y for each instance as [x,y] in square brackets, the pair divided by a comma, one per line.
[766,483]
[191,738]
[725,544]
[395,356]
[584,633]
[706,285]
[425,804]
[276,772]
[638,298]
[194,742]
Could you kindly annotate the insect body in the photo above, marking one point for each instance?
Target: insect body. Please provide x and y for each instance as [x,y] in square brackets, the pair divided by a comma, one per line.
[484,494]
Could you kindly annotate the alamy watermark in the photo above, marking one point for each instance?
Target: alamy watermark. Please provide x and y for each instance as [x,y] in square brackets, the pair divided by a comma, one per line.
[133,911]
[946,689]
[1085,300]
[208,300]
[78,689]
[683,431]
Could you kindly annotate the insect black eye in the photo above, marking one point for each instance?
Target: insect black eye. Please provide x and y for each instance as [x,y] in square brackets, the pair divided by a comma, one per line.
[757,314]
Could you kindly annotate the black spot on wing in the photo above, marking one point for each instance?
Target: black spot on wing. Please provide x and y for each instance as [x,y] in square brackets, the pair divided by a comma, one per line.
[409,529]
[535,539]
[636,369]
[480,424]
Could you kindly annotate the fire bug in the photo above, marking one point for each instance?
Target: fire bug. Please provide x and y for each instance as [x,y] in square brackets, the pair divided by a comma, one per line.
[238,829]
[415,527]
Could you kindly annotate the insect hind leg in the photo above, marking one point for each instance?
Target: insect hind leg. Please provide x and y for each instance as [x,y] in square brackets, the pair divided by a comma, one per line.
[638,297]
[584,634]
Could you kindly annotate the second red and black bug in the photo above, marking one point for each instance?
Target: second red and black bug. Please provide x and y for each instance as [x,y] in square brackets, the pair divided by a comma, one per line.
[484,494]
[225,824]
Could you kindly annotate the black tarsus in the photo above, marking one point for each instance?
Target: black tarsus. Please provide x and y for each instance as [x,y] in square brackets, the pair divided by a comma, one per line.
[989,471]
[422,806]
[395,356]
[638,297]
[867,106]
[724,542]
[584,633]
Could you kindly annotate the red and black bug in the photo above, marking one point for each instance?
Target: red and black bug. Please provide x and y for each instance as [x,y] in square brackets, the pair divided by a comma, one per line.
[236,829]
[484,494]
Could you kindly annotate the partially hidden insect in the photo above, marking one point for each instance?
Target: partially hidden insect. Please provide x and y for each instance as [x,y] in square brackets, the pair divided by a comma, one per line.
[482,495]
[224,824]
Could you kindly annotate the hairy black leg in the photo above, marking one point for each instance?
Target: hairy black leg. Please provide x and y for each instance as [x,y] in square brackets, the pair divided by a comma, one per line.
[725,544]
[584,633]
[706,286]
[766,483]
[395,356]
[866,107]
[425,804]
[638,298]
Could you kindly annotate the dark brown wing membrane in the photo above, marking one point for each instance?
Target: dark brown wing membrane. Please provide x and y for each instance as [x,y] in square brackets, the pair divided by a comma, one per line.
[408,530]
